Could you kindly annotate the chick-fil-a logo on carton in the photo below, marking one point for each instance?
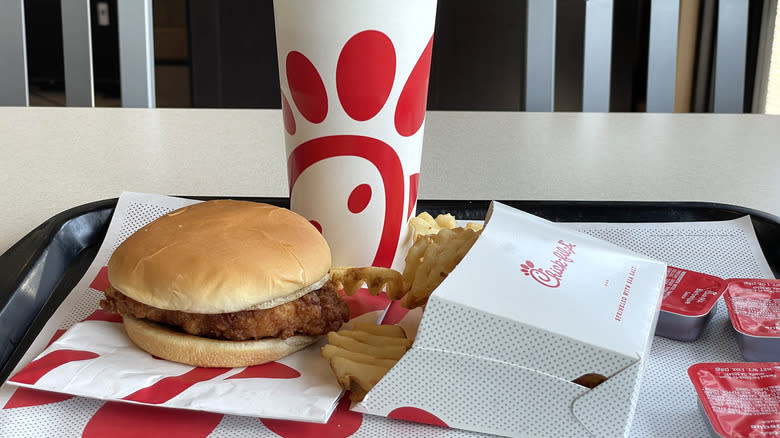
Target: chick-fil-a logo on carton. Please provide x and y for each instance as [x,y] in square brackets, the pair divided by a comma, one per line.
[551,277]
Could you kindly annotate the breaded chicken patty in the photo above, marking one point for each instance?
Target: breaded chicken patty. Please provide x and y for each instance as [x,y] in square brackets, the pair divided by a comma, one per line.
[313,314]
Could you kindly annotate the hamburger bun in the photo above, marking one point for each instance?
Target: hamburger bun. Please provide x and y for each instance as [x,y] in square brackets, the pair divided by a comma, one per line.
[163,342]
[221,256]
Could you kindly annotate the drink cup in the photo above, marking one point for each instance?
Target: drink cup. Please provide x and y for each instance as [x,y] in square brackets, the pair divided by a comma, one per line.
[354,84]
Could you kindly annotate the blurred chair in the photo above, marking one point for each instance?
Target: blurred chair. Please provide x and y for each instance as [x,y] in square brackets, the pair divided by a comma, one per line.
[136,53]
[729,56]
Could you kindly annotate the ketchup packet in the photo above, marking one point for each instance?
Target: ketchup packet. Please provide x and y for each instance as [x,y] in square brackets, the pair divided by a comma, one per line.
[754,308]
[739,399]
[688,303]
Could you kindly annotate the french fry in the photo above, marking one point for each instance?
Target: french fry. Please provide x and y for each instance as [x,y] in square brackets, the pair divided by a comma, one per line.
[329,351]
[357,393]
[395,331]
[414,258]
[351,374]
[362,356]
[365,375]
[439,245]
[375,340]
[425,225]
[431,259]
[473,226]
[375,278]
[446,221]
[379,351]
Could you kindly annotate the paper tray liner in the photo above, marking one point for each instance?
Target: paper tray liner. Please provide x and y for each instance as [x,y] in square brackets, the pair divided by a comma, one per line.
[659,400]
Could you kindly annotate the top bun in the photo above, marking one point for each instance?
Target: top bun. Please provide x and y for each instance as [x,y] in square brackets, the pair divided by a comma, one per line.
[221,256]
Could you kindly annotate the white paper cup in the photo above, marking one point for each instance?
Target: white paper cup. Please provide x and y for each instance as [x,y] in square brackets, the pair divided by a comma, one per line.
[354,82]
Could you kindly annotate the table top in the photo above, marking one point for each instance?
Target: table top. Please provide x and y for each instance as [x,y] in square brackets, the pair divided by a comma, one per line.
[57,158]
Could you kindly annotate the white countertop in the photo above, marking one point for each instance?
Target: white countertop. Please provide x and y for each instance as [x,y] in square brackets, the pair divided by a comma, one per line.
[57,158]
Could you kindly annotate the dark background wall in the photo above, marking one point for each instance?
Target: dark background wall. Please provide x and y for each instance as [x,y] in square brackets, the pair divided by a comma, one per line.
[478,54]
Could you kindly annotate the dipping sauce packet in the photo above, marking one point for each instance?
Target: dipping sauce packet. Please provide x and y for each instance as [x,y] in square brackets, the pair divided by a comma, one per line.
[739,399]
[754,309]
[688,303]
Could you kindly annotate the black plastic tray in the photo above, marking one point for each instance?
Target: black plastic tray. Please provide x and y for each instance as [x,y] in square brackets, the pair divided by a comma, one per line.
[38,272]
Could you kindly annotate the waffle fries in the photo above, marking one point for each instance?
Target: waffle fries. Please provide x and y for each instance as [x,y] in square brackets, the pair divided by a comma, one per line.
[439,245]
[431,259]
[424,224]
[360,357]
[375,279]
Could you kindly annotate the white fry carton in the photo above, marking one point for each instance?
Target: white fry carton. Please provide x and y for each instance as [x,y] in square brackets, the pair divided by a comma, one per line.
[532,307]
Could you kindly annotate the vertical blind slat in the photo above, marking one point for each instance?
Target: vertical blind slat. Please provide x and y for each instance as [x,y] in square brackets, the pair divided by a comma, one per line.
[597,67]
[730,56]
[136,53]
[77,53]
[662,55]
[540,56]
[13,67]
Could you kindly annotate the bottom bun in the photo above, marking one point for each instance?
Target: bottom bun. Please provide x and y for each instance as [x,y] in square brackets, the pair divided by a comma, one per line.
[161,341]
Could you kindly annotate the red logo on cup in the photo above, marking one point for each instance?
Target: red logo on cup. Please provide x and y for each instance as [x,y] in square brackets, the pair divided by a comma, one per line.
[365,76]
[551,277]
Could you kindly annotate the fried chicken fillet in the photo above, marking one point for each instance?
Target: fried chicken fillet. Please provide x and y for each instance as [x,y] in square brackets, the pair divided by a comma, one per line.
[314,314]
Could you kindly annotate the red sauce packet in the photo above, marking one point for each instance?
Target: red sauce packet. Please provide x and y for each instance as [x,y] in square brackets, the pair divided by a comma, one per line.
[690,293]
[688,303]
[739,399]
[754,306]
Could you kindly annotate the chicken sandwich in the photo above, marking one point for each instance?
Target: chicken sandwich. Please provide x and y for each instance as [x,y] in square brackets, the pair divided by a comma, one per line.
[224,283]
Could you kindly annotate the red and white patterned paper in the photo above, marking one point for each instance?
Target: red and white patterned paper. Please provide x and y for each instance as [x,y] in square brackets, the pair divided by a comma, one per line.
[94,358]
[666,407]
